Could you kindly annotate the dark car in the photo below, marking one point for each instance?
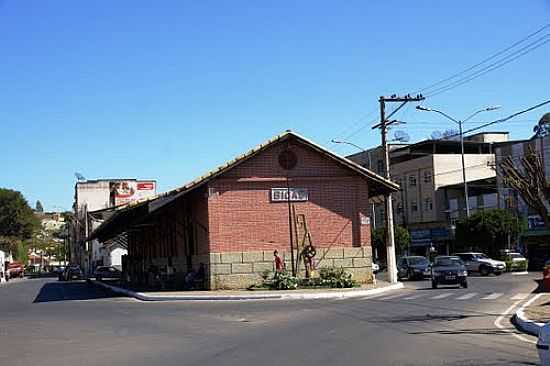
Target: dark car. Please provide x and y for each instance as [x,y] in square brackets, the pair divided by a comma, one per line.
[106,272]
[449,270]
[71,273]
[413,267]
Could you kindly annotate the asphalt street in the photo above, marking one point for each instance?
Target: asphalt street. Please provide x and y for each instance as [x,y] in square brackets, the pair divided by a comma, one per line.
[45,322]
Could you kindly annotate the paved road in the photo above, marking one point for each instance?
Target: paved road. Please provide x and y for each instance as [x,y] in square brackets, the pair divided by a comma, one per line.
[44,322]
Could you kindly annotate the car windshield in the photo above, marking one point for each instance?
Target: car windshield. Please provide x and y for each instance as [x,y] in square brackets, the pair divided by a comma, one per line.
[481,256]
[448,261]
[417,260]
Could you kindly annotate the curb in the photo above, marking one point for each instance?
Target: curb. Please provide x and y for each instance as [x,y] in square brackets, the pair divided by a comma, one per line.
[286,296]
[523,323]
[519,273]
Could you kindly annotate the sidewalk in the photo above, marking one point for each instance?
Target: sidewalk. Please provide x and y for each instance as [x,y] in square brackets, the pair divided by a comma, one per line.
[366,290]
[534,314]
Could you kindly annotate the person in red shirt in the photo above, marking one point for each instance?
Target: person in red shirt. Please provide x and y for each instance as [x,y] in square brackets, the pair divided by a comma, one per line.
[279,264]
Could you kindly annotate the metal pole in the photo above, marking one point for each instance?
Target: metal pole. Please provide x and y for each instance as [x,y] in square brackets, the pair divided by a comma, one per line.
[290,228]
[464,170]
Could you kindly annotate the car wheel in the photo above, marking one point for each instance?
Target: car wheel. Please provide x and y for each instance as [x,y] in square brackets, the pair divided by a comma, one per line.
[498,273]
[484,271]
[434,284]
[464,284]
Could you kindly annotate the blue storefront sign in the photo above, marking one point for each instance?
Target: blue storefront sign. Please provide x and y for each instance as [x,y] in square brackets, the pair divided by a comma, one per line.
[425,237]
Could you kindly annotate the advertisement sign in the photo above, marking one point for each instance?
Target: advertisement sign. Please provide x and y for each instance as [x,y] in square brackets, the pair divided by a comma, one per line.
[126,191]
[535,222]
[296,194]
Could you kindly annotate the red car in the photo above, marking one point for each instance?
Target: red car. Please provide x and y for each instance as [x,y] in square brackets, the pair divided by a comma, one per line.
[16,269]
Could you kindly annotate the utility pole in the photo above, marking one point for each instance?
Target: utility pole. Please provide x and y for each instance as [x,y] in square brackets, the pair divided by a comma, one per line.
[383,126]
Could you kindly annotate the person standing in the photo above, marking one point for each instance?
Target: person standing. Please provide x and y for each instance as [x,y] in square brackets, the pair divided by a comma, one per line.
[278,263]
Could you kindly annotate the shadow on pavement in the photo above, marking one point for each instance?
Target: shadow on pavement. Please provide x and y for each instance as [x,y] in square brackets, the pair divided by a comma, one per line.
[66,291]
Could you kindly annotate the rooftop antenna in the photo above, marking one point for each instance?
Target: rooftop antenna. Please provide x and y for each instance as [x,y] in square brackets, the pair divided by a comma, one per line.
[79,177]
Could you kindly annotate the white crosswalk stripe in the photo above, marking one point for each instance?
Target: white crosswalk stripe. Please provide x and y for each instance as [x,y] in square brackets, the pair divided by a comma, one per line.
[467,296]
[390,297]
[520,296]
[493,296]
[414,297]
[442,296]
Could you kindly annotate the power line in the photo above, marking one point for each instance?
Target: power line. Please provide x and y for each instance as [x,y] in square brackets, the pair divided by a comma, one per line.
[503,119]
[496,65]
[484,60]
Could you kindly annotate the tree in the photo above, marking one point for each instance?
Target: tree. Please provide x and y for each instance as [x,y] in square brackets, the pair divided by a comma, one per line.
[17,220]
[530,182]
[543,127]
[39,207]
[488,230]
[401,236]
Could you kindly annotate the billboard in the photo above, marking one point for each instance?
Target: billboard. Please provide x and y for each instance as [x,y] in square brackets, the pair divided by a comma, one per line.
[125,191]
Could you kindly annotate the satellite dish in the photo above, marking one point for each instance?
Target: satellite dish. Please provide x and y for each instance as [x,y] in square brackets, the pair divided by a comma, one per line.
[79,176]
[436,135]
[401,136]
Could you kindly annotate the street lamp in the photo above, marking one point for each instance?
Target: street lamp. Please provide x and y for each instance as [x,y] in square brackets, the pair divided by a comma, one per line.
[459,123]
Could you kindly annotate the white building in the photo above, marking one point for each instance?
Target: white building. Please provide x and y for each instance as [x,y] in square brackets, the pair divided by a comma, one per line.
[429,172]
[93,200]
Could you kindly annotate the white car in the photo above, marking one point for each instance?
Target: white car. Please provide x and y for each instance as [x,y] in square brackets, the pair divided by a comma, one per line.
[479,262]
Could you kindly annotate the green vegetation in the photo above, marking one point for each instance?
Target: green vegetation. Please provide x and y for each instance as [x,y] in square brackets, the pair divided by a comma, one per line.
[17,222]
[488,230]
[402,240]
[330,277]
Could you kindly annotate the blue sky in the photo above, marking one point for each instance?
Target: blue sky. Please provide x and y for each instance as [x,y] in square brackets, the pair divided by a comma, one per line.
[170,89]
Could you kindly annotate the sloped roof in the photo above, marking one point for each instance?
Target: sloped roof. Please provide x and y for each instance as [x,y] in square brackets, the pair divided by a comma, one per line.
[379,185]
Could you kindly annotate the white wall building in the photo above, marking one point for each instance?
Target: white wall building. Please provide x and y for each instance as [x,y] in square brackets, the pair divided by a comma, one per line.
[96,195]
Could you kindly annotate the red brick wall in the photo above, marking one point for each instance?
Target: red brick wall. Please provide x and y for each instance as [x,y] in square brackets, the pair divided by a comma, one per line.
[242,217]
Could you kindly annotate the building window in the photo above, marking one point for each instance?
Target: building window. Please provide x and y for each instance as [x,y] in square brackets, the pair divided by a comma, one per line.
[412,180]
[399,207]
[428,204]
[380,167]
[414,206]
[427,176]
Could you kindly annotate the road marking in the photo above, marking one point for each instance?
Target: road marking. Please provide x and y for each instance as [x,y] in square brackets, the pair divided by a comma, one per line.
[390,297]
[413,297]
[519,296]
[506,313]
[467,296]
[493,296]
[442,296]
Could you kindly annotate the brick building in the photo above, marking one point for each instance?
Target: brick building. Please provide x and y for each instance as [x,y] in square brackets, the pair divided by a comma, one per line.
[232,218]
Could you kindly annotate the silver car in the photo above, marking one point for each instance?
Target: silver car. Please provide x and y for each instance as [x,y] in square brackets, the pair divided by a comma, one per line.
[479,262]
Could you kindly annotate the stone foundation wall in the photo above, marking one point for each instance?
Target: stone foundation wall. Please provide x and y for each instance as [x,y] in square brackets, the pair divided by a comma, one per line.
[233,270]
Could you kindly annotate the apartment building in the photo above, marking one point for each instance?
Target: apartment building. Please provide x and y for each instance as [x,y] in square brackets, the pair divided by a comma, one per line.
[431,198]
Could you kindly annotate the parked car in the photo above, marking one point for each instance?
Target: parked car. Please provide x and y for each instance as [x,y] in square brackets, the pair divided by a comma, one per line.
[413,267]
[479,262]
[71,273]
[58,270]
[16,269]
[515,261]
[107,272]
[449,270]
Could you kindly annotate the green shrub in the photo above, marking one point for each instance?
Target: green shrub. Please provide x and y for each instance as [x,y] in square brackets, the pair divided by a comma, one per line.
[284,281]
[336,278]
